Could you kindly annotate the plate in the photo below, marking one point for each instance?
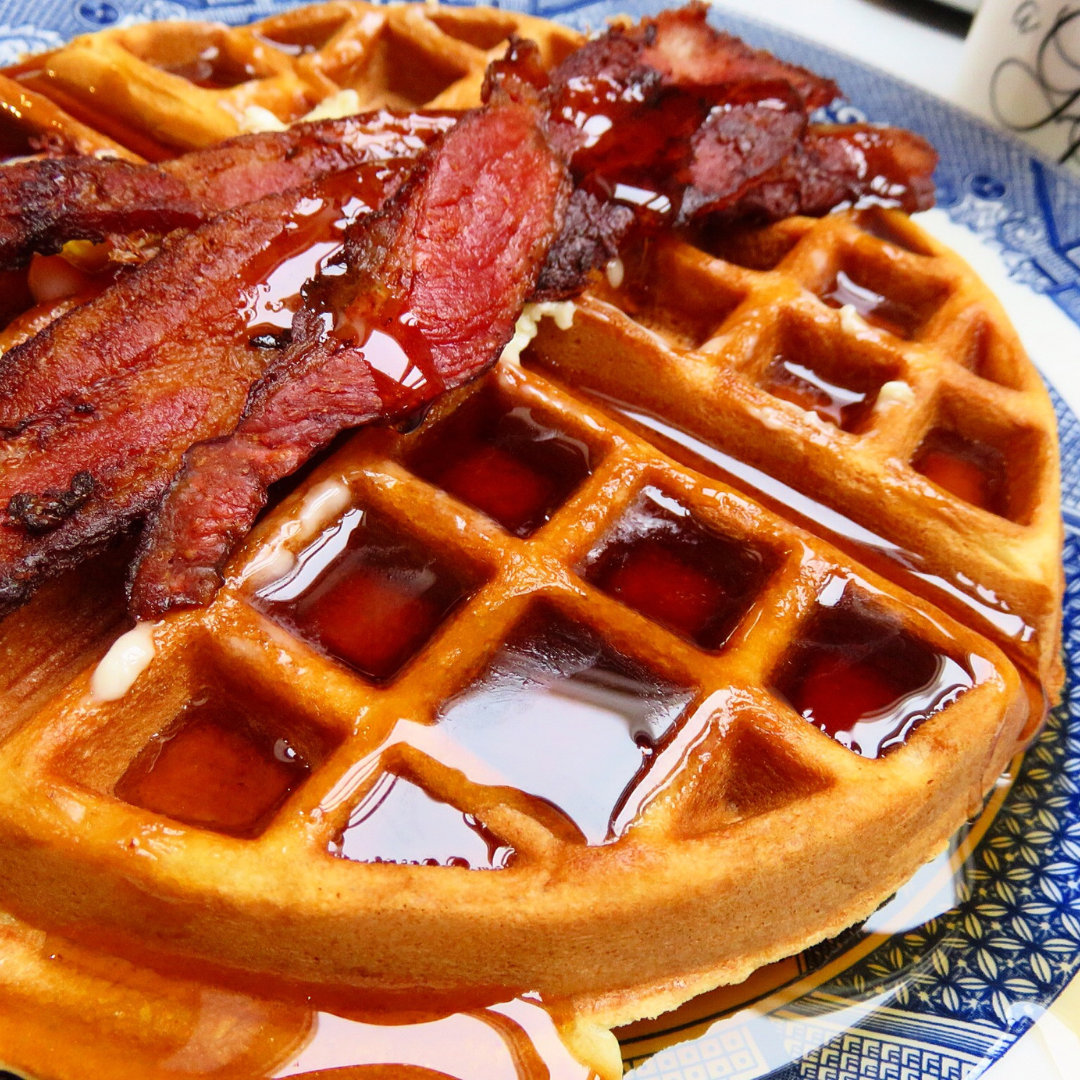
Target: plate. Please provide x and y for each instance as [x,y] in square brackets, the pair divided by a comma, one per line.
[947,976]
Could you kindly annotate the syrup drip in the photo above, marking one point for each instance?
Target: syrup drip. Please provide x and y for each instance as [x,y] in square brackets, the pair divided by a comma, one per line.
[662,563]
[399,822]
[860,678]
[559,716]
[213,769]
[364,595]
[506,462]
[878,310]
[970,470]
[309,244]
[801,385]
[958,593]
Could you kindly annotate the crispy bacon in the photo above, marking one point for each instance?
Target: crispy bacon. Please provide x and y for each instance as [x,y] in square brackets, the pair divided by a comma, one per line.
[667,123]
[681,121]
[836,164]
[45,203]
[687,51]
[435,282]
[120,387]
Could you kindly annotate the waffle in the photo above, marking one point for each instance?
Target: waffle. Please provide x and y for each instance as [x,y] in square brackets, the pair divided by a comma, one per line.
[173,86]
[611,580]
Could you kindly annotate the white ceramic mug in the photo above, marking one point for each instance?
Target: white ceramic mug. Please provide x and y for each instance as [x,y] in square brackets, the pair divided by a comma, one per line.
[1021,70]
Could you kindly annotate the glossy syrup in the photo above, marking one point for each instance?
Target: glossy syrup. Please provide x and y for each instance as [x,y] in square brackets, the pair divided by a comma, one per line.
[878,310]
[560,716]
[365,595]
[664,564]
[803,386]
[211,69]
[966,468]
[213,768]
[309,244]
[505,460]
[511,1040]
[856,674]
[956,593]
[399,822]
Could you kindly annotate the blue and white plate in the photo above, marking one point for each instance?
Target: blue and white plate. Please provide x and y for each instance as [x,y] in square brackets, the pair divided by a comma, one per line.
[951,973]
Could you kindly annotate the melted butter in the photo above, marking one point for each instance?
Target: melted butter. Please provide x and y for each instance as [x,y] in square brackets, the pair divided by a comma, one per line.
[895,392]
[276,558]
[128,658]
[528,324]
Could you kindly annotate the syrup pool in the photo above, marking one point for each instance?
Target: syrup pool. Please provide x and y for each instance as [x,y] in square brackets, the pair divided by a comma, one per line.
[856,674]
[560,716]
[878,310]
[399,822]
[803,386]
[512,1040]
[505,460]
[365,595]
[970,470]
[214,768]
[663,563]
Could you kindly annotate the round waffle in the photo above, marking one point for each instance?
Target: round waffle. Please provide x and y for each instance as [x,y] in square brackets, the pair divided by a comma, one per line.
[607,586]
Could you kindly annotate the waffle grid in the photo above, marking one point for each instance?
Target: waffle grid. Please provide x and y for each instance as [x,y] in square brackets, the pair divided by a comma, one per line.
[174,86]
[708,382]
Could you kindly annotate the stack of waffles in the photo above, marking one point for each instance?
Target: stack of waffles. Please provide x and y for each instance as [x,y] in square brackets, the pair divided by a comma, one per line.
[671,647]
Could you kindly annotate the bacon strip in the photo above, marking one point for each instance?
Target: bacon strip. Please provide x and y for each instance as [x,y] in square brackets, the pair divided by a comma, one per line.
[120,387]
[681,121]
[435,283]
[45,203]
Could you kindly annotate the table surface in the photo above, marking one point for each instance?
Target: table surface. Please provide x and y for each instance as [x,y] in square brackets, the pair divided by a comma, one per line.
[923,44]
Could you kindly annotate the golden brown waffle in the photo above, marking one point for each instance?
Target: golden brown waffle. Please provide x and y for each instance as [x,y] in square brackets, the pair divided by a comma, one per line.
[171,86]
[708,342]
[693,375]
[621,927]
[31,124]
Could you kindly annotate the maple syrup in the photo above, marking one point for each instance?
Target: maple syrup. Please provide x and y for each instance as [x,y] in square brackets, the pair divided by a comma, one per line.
[365,595]
[966,468]
[211,69]
[663,563]
[560,716]
[856,674]
[878,310]
[399,822]
[504,460]
[509,1040]
[803,386]
[308,245]
[214,769]
[955,593]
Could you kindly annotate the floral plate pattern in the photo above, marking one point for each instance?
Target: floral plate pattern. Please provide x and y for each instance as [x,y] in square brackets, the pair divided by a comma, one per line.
[941,982]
